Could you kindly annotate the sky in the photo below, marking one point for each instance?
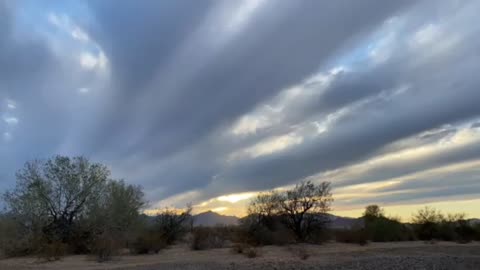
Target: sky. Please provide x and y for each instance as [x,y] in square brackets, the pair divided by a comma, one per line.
[211,102]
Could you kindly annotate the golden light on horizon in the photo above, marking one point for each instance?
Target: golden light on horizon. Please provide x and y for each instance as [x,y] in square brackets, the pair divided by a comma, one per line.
[233,198]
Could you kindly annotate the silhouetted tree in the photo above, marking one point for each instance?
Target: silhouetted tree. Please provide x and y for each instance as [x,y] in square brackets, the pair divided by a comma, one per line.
[427,222]
[305,206]
[373,211]
[302,209]
[172,225]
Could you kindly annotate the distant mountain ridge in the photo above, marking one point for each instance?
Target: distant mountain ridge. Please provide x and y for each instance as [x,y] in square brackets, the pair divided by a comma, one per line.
[211,218]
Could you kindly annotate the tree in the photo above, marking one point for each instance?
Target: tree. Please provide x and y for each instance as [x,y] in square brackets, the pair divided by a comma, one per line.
[172,225]
[427,215]
[111,219]
[302,209]
[427,222]
[263,209]
[53,194]
[118,209]
[305,206]
[373,211]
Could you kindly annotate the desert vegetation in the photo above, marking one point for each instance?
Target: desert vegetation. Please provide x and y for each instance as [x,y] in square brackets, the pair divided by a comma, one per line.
[68,205]
[71,206]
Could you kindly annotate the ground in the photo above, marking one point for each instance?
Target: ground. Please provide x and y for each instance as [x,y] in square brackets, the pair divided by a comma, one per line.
[405,255]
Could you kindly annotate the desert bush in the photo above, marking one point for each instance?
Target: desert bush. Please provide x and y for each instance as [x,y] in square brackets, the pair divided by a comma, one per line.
[352,236]
[431,224]
[52,251]
[476,228]
[104,247]
[17,248]
[465,232]
[148,242]
[173,225]
[258,234]
[384,229]
[207,238]
[320,236]
[426,223]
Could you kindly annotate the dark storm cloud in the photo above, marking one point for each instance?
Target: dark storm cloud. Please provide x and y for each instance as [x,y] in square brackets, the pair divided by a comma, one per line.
[466,177]
[421,195]
[340,148]
[163,121]
[40,84]
[429,104]
[22,66]
[179,74]
[276,50]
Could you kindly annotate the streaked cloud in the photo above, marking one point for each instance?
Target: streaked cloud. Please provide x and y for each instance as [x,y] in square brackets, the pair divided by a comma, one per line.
[213,102]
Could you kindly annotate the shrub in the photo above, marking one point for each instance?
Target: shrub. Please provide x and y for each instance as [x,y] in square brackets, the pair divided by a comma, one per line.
[465,232]
[320,236]
[104,247]
[427,222]
[255,233]
[431,224]
[353,236]
[53,251]
[206,238]
[15,240]
[17,248]
[383,229]
[149,242]
[172,225]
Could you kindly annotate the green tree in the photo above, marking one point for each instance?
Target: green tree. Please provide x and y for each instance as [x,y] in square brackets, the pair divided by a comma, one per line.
[53,194]
[71,202]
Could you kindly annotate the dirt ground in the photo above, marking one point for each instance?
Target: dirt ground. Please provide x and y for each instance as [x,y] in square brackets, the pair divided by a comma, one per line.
[405,255]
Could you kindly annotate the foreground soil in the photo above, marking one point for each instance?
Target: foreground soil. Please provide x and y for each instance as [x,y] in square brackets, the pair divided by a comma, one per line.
[407,255]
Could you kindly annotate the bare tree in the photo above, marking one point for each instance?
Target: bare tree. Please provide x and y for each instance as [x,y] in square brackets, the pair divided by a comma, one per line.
[172,225]
[264,208]
[302,209]
[305,207]
[427,222]
[427,215]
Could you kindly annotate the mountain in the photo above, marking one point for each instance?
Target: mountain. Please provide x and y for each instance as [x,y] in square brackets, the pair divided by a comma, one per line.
[337,222]
[210,218]
[474,221]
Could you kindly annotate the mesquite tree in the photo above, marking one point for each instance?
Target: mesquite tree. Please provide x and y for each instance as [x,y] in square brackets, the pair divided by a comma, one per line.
[302,209]
[53,194]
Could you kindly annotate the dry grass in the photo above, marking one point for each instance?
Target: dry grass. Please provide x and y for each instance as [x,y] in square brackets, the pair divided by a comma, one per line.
[319,257]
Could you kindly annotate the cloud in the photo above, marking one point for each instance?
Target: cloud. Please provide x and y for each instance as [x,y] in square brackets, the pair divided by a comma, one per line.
[64,23]
[215,101]
[10,120]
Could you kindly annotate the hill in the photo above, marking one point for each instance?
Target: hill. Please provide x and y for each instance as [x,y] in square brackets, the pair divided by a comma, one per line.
[210,218]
